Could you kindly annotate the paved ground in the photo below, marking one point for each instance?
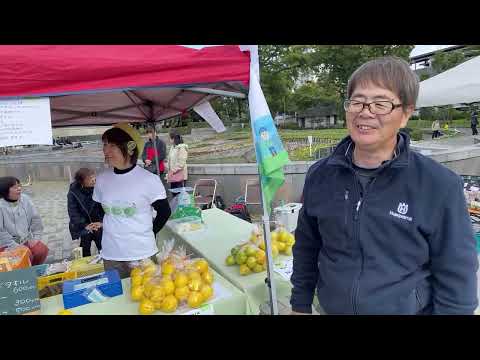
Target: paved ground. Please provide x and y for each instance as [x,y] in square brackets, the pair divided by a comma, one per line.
[50,199]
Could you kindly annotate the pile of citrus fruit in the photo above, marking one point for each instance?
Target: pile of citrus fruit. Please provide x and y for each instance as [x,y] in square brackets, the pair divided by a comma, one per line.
[250,256]
[165,287]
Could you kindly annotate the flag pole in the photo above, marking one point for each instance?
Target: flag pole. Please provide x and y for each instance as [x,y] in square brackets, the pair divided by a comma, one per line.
[267,236]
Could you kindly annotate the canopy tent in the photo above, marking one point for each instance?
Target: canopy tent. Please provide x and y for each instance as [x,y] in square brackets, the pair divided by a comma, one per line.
[460,84]
[102,85]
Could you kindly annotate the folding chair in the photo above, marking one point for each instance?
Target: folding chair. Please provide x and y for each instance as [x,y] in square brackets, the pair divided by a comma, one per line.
[252,192]
[202,192]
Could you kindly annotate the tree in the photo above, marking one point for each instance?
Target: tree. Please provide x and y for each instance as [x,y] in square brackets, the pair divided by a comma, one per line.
[443,61]
[310,94]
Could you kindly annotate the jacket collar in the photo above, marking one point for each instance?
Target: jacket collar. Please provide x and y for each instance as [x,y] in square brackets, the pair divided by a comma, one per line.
[342,155]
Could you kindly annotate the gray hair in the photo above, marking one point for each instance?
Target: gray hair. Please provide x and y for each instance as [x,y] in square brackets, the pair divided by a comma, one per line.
[389,72]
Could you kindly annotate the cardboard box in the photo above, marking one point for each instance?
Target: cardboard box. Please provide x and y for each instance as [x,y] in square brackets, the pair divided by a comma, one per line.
[90,289]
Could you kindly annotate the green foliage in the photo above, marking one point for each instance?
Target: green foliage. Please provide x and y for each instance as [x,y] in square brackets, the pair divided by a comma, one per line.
[443,61]
[416,134]
[184,130]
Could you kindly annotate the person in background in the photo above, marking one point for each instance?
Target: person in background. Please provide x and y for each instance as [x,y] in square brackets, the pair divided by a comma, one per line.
[435,129]
[374,236]
[153,147]
[177,162]
[474,123]
[85,214]
[128,194]
[20,223]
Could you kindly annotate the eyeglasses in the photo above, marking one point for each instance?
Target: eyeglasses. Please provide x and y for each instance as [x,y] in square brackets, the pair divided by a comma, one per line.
[376,107]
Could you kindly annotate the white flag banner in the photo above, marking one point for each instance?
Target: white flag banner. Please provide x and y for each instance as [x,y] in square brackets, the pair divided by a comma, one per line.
[25,122]
[205,110]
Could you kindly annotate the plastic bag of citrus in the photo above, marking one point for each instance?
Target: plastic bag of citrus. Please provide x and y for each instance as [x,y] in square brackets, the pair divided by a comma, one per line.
[282,241]
[249,257]
[177,281]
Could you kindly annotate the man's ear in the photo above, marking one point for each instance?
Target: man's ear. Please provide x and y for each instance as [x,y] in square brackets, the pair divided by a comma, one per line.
[407,113]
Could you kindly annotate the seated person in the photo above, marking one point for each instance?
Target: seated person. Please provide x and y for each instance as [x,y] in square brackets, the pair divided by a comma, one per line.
[20,223]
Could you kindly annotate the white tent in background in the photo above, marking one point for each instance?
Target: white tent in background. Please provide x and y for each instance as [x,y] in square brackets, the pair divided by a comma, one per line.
[460,84]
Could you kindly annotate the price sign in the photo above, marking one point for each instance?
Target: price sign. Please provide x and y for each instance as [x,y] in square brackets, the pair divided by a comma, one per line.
[203,310]
[18,292]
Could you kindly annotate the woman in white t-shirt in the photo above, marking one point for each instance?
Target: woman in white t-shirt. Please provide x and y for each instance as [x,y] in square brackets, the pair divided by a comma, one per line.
[128,194]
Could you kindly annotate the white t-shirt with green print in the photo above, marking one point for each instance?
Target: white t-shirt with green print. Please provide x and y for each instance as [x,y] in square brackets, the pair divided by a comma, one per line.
[128,221]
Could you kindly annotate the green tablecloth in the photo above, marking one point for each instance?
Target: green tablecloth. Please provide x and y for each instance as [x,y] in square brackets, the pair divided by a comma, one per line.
[233,303]
[224,231]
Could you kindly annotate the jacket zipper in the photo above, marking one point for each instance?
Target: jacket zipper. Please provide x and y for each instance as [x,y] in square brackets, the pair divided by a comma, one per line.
[346,208]
[356,284]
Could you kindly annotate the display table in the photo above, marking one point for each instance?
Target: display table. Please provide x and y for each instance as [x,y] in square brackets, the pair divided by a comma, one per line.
[230,302]
[224,231]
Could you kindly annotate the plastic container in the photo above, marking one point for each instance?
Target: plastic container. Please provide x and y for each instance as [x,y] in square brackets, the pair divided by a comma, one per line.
[287,215]
[87,266]
[49,280]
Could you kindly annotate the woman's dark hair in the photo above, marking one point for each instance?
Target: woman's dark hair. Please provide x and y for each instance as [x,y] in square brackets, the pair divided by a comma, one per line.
[177,139]
[120,138]
[82,174]
[5,184]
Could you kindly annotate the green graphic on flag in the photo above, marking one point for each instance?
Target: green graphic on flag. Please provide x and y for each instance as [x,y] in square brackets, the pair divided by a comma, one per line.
[271,157]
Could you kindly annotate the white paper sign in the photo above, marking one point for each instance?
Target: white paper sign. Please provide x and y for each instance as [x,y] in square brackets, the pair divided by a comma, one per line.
[203,310]
[25,122]
[310,139]
[284,268]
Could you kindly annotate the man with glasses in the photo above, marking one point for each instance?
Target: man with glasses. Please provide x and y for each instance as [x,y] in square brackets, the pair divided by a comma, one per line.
[374,235]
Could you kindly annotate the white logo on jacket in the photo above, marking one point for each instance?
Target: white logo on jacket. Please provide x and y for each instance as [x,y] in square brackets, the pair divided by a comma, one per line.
[402,208]
[401,211]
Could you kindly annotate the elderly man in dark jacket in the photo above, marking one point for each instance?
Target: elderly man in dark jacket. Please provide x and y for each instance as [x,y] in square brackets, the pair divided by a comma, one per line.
[85,214]
[374,235]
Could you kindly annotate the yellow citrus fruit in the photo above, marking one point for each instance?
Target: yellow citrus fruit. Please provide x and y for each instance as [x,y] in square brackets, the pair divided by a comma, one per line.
[230,260]
[274,235]
[148,287]
[207,277]
[158,305]
[181,280]
[201,265]
[195,284]
[206,291]
[195,299]
[136,280]
[288,251]
[281,246]
[136,272]
[290,240]
[274,251]
[251,262]
[168,268]
[157,294]
[262,245]
[136,293]
[169,304]
[146,279]
[181,293]
[149,270]
[244,270]
[168,286]
[260,256]
[249,251]
[194,275]
[283,235]
[65,312]
[257,268]
[146,307]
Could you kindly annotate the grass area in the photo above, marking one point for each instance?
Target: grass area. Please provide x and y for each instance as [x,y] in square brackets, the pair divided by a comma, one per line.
[244,134]
[427,124]
[303,153]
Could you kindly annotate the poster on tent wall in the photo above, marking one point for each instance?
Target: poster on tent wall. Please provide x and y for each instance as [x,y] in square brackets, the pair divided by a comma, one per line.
[25,122]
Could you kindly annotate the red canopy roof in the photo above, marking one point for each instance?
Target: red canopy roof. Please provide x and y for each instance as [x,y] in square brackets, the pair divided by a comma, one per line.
[107,84]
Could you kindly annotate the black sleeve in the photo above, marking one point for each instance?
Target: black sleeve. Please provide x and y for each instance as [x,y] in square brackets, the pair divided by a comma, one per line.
[305,254]
[162,150]
[163,213]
